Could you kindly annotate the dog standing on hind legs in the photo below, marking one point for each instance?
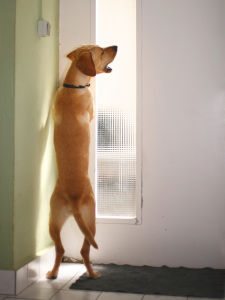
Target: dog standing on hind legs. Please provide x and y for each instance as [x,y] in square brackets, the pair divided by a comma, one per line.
[73,111]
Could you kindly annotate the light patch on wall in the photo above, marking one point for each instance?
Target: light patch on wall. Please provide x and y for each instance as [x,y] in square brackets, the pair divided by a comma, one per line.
[47,180]
[47,170]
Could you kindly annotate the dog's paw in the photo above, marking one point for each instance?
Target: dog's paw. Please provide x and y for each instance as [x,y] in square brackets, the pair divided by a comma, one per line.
[94,275]
[51,275]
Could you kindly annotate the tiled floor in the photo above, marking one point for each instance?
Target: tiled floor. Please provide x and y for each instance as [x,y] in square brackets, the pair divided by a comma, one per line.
[60,289]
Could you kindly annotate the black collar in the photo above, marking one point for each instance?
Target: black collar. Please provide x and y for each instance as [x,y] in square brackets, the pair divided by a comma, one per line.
[72,86]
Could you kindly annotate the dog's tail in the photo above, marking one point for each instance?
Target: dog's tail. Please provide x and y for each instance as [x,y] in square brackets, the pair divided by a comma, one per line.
[85,230]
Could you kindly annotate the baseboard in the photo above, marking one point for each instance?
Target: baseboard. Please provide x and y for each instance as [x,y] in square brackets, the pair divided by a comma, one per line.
[7,282]
[13,282]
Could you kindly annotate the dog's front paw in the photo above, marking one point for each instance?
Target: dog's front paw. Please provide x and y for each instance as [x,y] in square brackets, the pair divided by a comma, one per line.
[51,275]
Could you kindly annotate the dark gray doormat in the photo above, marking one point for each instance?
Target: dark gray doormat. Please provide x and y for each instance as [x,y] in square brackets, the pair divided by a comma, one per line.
[205,283]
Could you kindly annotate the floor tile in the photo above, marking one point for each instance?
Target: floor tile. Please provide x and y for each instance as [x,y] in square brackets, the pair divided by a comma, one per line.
[66,274]
[78,295]
[160,297]
[120,296]
[81,271]
[69,283]
[17,299]
[194,298]
[35,292]
[66,271]
[55,284]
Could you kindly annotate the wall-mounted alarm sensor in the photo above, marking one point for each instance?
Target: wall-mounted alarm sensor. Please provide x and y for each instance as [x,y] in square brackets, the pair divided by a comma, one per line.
[43,28]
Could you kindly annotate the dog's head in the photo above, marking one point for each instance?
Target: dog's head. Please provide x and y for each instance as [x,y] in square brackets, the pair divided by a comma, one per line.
[92,60]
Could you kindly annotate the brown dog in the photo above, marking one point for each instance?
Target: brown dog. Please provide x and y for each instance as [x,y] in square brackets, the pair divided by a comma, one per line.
[73,111]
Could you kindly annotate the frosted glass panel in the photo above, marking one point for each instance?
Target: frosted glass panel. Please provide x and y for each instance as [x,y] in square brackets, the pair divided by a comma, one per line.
[116,111]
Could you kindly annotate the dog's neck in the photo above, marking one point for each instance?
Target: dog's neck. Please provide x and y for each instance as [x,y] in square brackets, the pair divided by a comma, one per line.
[75,77]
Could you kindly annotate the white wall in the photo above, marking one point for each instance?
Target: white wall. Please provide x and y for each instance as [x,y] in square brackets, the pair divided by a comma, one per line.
[183,88]
[75,28]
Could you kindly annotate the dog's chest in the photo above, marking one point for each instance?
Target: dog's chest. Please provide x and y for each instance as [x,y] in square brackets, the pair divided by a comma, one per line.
[75,110]
[83,118]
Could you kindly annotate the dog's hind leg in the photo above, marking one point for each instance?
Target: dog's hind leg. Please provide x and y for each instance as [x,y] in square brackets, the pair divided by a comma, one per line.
[85,229]
[88,212]
[83,211]
[58,217]
[85,252]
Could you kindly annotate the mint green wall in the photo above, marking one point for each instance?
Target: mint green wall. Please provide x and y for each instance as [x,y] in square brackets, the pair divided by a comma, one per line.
[36,78]
[7,51]
[29,78]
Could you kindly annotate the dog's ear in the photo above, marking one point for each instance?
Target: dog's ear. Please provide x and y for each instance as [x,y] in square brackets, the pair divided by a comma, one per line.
[86,64]
[71,55]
